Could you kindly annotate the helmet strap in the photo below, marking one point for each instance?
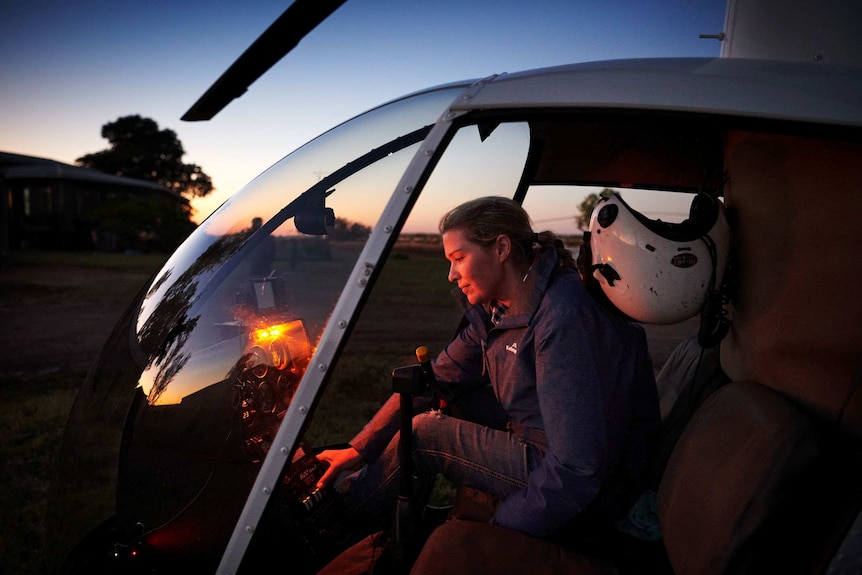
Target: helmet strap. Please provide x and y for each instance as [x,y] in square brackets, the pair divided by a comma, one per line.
[714,324]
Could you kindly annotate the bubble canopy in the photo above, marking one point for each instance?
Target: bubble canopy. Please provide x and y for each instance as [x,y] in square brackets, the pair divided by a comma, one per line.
[165,440]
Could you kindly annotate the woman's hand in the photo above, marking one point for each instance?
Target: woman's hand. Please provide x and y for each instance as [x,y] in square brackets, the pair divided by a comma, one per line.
[339,460]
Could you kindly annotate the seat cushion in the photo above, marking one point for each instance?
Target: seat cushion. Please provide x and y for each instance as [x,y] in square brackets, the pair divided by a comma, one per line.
[732,467]
[460,546]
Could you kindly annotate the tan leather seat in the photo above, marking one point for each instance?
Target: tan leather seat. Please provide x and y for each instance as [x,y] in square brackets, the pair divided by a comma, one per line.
[734,465]
[460,546]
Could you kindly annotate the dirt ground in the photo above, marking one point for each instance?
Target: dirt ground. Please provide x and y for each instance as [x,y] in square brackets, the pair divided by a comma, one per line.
[57,317]
[56,312]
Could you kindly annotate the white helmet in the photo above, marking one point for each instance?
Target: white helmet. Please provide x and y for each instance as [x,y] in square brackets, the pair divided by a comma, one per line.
[658,272]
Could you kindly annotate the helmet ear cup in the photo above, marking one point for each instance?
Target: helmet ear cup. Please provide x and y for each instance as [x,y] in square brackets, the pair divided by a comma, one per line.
[607,214]
[702,207]
[701,215]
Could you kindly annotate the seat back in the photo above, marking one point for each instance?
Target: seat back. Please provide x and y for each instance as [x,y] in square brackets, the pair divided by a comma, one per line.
[796,312]
[772,466]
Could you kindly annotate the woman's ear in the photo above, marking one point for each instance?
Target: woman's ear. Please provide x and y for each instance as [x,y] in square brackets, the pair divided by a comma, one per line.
[503,245]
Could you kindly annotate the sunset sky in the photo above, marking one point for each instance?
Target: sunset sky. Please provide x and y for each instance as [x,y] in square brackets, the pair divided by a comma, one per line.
[67,68]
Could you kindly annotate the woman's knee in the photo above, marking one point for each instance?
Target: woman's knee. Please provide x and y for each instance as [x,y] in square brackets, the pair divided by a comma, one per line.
[433,430]
[428,421]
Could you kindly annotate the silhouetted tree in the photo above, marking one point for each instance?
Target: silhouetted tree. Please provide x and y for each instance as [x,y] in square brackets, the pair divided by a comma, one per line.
[347,230]
[139,220]
[139,149]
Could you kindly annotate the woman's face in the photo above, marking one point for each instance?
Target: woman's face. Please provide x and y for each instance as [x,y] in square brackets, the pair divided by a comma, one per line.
[477,269]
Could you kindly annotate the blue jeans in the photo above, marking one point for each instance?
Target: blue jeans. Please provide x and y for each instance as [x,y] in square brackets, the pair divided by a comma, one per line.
[466,453]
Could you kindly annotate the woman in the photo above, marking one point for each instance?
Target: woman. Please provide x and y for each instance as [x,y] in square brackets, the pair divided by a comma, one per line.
[571,378]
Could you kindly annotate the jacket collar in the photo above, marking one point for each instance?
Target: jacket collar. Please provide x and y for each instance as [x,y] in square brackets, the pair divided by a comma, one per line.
[524,305]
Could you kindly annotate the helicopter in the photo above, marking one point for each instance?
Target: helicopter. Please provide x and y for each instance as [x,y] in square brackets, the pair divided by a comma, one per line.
[192,444]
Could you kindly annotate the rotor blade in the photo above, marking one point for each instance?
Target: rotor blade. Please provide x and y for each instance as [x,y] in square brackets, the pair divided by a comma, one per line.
[281,37]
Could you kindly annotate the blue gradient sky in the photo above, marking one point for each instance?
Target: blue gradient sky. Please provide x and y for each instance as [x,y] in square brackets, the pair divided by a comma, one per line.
[67,68]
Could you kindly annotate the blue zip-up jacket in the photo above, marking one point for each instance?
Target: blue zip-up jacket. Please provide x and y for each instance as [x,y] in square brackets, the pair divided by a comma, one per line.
[561,363]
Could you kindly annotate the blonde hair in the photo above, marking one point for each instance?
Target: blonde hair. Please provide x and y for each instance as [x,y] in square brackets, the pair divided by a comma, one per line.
[488,217]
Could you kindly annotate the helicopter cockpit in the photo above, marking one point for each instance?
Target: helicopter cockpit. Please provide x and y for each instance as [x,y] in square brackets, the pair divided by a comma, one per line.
[273,330]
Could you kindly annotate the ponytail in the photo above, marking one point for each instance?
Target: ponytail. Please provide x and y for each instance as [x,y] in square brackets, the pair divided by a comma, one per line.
[564,256]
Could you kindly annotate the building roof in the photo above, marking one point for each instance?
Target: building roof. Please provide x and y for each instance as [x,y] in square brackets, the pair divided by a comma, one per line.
[19,167]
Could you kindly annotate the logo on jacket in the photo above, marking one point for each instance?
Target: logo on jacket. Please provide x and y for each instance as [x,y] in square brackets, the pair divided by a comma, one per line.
[513,347]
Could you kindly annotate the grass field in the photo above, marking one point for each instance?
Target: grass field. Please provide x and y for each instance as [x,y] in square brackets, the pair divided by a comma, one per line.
[56,310]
